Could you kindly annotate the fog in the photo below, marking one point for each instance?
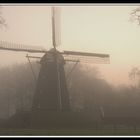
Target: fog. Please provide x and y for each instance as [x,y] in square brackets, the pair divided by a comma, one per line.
[106,92]
[87,89]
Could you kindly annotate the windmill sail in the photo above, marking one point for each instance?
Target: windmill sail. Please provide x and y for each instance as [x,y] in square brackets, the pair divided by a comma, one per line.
[85,57]
[20,47]
[56,26]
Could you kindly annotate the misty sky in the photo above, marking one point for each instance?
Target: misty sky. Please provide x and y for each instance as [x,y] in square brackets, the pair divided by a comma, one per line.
[97,29]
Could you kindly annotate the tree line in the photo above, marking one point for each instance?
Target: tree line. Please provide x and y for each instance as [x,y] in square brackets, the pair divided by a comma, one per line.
[87,89]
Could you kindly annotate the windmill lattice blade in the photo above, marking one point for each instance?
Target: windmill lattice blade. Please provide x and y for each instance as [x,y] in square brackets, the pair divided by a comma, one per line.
[4,45]
[56,31]
[85,57]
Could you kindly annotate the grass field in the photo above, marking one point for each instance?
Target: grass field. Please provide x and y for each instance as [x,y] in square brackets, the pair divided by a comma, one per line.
[106,130]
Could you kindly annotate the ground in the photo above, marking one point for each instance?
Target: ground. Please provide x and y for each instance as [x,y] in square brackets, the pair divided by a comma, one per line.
[106,130]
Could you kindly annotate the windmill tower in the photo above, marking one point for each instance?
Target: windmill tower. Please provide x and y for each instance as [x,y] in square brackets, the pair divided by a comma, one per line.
[51,90]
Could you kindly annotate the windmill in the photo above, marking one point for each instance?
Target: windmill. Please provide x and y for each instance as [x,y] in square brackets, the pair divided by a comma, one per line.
[51,89]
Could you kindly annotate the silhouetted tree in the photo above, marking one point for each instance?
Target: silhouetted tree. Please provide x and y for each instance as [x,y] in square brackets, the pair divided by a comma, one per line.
[16,88]
[2,20]
[135,76]
[88,90]
[135,15]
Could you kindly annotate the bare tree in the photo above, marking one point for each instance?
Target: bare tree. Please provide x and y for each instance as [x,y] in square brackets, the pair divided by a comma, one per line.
[135,15]
[135,76]
[2,20]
